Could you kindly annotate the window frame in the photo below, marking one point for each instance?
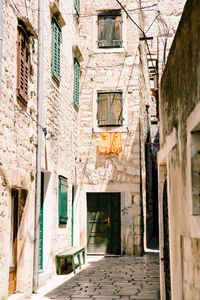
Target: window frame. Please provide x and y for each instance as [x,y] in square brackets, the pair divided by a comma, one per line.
[76,82]
[56,53]
[109,44]
[110,121]
[62,201]
[23,65]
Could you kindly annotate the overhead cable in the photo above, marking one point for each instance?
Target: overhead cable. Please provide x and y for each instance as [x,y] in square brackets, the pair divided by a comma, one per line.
[81,15]
[143,33]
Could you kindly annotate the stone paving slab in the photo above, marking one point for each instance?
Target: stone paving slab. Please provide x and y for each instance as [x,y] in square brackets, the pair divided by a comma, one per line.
[108,278]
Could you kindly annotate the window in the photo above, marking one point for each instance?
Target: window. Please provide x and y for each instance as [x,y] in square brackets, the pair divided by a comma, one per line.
[77,6]
[62,200]
[23,61]
[56,41]
[76,82]
[110,30]
[109,110]
[195,170]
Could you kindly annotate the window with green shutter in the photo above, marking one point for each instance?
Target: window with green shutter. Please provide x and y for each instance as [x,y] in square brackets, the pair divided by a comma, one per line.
[77,6]
[76,82]
[62,200]
[109,109]
[110,30]
[56,41]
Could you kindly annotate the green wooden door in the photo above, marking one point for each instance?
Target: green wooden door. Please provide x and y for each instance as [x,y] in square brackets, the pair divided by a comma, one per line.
[103,223]
[41,222]
[72,233]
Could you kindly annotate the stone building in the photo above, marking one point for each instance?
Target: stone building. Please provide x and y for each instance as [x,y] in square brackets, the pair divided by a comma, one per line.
[160,19]
[18,146]
[179,163]
[114,93]
[39,138]
[78,112]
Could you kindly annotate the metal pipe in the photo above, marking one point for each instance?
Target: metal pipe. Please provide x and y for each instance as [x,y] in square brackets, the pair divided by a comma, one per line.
[1,43]
[39,137]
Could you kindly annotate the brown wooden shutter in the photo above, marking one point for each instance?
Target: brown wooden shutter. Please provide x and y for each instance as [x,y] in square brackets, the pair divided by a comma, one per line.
[116,109]
[109,31]
[117,32]
[103,109]
[22,65]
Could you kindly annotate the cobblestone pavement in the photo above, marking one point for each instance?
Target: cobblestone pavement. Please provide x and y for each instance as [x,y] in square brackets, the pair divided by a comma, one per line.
[109,278]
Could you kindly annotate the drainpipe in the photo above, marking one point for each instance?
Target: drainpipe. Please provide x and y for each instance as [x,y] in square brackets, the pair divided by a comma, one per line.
[1,43]
[39,137]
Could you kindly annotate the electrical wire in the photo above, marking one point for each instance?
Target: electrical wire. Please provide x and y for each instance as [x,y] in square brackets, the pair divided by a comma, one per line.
[81,15]
[15,5]
[151,24]
[143,33]
[26,113]
[45,131]
[26,8]
[130,17]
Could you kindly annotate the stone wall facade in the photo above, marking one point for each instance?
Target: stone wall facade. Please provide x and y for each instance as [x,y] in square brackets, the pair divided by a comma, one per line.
[17,152]
[18,139]
[111,70]
[180,123]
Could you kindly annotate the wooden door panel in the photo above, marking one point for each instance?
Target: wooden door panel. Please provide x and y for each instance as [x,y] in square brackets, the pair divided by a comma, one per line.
[166,243]
[13,241]
[104,223]
[97,229]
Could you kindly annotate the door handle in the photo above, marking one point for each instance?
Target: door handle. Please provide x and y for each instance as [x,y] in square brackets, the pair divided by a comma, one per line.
[108,222]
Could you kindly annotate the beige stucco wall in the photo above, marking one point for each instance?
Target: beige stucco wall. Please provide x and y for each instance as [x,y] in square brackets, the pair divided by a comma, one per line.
[179,119]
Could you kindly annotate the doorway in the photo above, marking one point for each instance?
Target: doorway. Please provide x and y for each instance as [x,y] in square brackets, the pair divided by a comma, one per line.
[166,244]
[13,242]
[41,222]
[103,223]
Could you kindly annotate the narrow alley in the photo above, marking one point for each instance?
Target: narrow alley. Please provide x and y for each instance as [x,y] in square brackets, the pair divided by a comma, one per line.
[119,277]
[99,149]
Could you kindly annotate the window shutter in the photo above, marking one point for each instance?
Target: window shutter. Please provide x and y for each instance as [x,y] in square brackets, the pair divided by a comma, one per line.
[103,109]
[22,65]
[109,111]
[116,108]
[77,6]
[62,200]
[117,32]
[56,41]
[76,82]
[109,31]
